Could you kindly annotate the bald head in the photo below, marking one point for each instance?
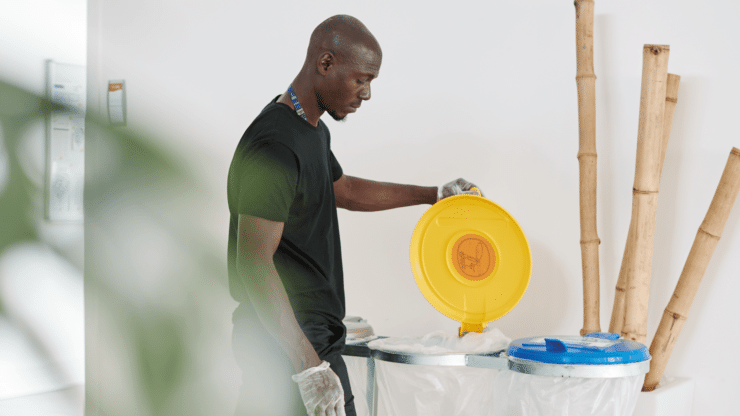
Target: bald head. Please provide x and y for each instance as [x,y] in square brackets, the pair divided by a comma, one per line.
[343,58]
[344,36]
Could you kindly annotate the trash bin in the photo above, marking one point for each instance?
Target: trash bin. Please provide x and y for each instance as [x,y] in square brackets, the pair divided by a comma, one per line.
[360,367]
[594,375]
[437,375]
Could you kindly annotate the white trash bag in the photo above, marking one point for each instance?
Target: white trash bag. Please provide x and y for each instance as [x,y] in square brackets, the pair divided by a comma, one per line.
[517,394]
[357,371]
[424,390]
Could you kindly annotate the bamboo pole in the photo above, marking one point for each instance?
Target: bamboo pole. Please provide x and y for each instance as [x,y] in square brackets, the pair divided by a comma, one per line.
[617,319]
[586,82]
[645,190]
[706,240]
[671,99]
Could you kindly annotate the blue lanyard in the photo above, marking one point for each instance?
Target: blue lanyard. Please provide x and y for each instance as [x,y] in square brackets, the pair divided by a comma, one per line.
[296,104]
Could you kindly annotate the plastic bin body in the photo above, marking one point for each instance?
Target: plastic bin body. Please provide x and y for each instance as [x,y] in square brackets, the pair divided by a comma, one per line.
[360,367]
[434,391]
[357,368]
[595,375]
[439,374]
[424,390]
[517,394]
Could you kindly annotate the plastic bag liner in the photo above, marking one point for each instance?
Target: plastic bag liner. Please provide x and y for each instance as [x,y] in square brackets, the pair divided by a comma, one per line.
[357,371]
[423,390]
[441,342]
[517,394]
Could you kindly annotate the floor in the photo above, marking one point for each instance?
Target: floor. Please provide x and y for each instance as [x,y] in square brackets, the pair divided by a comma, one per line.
[66,402]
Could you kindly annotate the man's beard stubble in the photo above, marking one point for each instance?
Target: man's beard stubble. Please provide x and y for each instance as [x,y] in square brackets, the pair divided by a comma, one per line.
[332,113]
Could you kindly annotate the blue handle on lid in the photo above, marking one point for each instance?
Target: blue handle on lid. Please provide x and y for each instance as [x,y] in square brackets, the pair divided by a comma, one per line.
[555,345]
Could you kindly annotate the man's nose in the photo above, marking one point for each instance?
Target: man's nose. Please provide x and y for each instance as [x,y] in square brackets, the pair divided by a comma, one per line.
[365,92]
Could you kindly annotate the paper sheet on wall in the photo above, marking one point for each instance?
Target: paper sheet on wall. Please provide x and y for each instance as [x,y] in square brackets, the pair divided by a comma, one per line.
[116,103]
[66,143]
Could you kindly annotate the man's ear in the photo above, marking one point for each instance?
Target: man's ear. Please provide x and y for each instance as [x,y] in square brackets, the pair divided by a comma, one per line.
[326,62]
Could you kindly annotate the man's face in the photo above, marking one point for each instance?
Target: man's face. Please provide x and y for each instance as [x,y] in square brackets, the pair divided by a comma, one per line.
[347,84]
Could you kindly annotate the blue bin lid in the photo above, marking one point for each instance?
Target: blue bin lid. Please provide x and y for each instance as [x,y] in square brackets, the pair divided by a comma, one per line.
[597,348]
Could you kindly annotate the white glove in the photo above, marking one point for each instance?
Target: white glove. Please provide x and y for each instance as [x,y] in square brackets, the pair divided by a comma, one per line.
[457,187]
[321,391]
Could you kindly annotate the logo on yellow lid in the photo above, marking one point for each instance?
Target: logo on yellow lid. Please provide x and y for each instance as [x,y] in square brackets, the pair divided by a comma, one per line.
[473,257]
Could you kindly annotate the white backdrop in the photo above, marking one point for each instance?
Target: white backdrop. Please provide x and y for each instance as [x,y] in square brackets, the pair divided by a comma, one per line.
[41,331]
[479,89]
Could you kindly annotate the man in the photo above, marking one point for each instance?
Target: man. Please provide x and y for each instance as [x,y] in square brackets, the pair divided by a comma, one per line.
[284,256]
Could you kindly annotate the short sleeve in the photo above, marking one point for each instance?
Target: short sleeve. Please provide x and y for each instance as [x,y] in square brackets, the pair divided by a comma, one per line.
[268,179]
[336,169]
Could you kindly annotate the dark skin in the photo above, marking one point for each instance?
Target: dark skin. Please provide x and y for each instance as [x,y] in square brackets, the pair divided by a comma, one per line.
[335,78]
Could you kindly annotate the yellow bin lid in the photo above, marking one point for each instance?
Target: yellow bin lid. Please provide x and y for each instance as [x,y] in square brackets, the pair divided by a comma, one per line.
[471,260]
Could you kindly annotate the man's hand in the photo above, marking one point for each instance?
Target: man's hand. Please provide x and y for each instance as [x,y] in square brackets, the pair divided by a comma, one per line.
[321,391]
[457,187]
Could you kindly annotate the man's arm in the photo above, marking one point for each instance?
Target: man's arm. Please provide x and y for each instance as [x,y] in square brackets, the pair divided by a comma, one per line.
[257,242]
[356,194]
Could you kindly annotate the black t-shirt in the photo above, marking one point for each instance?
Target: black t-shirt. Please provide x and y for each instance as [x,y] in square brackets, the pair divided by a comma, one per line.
[283,170]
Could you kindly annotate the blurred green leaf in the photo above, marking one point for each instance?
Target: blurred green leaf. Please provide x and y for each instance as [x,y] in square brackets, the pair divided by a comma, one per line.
[153,286]
[161,358]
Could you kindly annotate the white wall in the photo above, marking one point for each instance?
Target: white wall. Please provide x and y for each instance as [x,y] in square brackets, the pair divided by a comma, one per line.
[482,90]
[41,337]
[32,31]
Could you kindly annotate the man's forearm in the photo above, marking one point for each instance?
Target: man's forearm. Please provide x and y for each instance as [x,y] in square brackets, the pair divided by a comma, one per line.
[270,301]
[367,195]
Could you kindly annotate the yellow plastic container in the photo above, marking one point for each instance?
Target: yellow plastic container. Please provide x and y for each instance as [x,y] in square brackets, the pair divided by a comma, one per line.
[471,260]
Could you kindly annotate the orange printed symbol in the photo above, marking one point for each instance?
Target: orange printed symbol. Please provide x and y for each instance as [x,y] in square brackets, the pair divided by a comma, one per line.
[473,257]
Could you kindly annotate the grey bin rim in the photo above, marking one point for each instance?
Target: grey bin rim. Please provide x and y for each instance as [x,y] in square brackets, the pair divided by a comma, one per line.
[490,360]
[578,370]
[500,361]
